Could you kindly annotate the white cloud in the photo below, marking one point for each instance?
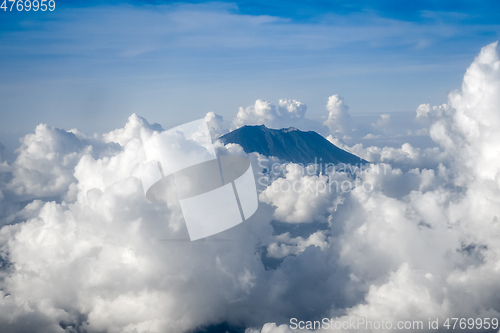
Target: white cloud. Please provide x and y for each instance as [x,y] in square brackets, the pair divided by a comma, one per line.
[301,196]
[286,245]
[215,125]
[136,127]
[288,113]
[272,328]
[45,162]
[407,157]
[261,113]
[419,246]
[291,109]
[339,120]
[94,255]
[430,236]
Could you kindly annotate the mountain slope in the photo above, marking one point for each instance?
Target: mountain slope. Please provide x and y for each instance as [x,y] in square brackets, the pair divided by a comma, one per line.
[289,144]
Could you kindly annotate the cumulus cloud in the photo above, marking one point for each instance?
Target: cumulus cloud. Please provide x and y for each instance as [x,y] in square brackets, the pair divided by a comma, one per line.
[260,113]
[215,125]
[136,127]
[291,109]
[288,113]
[96,261]
[302,196]
[286,245]
[423,243]
[82,250]
[45,162]
[406,157]
[102,258]
[339,119]
[47,159]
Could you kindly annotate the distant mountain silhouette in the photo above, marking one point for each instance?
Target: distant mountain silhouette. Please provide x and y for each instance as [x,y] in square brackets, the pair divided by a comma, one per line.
[290,144]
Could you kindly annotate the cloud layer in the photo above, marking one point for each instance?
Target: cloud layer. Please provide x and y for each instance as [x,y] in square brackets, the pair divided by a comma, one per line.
[82,250]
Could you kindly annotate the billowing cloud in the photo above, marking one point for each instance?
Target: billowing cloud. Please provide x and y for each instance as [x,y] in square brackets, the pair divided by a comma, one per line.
[411,236]
[215,125]
[302,196]
[339,120]
[261,113]
[288,113]
[291,109]
[423,243]
[45,162]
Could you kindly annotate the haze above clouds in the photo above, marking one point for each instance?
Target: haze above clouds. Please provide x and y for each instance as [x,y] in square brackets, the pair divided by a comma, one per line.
[91,64]
[82,249]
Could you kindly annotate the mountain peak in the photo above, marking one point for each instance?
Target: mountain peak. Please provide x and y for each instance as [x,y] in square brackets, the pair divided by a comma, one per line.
[289,144]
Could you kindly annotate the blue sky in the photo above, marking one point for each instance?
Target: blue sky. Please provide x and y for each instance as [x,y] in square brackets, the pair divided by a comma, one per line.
[89,65]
